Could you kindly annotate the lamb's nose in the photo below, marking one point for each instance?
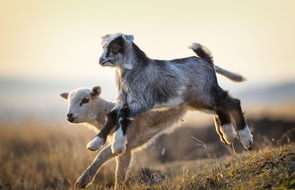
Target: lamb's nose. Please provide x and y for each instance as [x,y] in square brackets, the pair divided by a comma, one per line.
[69,116]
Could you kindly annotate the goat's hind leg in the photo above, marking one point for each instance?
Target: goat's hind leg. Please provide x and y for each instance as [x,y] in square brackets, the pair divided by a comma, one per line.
[101,138]
[243,130]
[224,128]
[227,106]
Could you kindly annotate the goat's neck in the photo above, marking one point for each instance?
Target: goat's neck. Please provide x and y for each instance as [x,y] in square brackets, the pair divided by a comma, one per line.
[100,110]
[135,58]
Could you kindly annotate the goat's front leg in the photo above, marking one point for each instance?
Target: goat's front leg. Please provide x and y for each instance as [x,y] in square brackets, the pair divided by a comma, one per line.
[88,175]
[120,139]
[101,138]
[122,168]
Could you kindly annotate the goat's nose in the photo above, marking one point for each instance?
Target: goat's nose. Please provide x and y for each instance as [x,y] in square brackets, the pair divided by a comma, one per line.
[100,60]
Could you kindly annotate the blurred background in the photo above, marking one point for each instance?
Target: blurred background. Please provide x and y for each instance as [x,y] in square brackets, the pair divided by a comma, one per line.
[49,47]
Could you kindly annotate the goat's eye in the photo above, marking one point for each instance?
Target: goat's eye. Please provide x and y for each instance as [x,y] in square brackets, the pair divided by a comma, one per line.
[115,49]
[84,101]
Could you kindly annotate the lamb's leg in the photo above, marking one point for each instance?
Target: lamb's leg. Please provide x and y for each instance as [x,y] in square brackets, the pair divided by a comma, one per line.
[88,175]
[101,138]
[122,168]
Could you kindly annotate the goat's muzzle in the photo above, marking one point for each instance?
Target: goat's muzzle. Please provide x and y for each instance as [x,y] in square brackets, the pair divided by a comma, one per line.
[100,60]
[103,61]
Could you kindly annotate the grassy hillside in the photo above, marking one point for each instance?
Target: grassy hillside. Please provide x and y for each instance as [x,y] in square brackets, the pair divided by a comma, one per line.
[53,157]
[263,169]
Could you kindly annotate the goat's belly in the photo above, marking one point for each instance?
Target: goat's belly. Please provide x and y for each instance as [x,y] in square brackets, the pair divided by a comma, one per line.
[198,106]
[172,102]
[207,111]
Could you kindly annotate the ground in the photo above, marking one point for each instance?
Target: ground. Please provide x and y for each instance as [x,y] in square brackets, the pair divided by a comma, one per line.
[53,157]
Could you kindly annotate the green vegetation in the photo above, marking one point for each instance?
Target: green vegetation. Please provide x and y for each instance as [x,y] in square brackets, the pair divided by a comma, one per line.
[54,156]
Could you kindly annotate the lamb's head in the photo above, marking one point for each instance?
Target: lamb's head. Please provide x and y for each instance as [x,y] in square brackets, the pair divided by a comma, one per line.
[81,103]
[116,50]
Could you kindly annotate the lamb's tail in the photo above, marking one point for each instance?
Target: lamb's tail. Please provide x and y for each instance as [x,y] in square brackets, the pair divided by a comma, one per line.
[206,54]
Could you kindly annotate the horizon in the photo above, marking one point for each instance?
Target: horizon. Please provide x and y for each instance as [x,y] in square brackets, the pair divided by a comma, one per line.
[40,99]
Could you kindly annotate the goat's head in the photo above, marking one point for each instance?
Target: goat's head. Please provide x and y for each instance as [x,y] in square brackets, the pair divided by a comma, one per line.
[80,104]
[116,48]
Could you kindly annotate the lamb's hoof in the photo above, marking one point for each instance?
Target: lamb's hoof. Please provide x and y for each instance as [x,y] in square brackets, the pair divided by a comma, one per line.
[118,148]
[229,133]
[83,181]
[246,138]
[95,144]
[80,185]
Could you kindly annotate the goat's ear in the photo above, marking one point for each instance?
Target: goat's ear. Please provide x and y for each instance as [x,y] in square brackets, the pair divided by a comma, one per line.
[105,36]
[64,95]
[96,91]
[128,38]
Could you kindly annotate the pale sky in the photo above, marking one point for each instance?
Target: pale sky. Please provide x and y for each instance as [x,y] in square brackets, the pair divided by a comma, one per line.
[56,39]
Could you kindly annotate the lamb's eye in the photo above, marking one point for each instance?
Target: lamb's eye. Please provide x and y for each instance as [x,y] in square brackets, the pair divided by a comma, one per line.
[115,49]
[84,101]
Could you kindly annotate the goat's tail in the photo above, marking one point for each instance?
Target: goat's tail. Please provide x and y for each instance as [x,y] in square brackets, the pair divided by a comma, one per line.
[230,75]
[206,54]
[202,52]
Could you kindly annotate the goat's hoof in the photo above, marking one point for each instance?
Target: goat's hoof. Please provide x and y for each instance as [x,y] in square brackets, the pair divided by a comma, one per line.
[118,148]
[248,145]
[251,147]
[246,138]
[95,144]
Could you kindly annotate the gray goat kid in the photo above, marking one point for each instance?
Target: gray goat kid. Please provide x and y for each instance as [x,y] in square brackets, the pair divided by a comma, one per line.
[144,83]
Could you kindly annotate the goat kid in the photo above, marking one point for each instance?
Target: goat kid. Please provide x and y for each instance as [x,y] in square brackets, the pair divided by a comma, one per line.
[86,106]
[144,83]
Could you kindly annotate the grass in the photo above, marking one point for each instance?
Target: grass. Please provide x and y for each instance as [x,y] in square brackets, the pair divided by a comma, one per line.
[54,156]
[44,156]
[263,169]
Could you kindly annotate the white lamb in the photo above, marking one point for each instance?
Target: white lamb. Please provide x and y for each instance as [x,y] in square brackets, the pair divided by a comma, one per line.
[86,106]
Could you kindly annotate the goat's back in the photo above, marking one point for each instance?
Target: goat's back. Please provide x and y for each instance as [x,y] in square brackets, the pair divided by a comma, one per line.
[170,82]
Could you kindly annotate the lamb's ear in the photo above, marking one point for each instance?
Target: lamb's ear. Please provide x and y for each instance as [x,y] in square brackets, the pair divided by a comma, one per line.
[128,38]
[96,91]
[64,95]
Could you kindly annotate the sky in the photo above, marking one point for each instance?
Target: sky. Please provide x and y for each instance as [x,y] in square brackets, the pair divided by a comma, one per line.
[60,41]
